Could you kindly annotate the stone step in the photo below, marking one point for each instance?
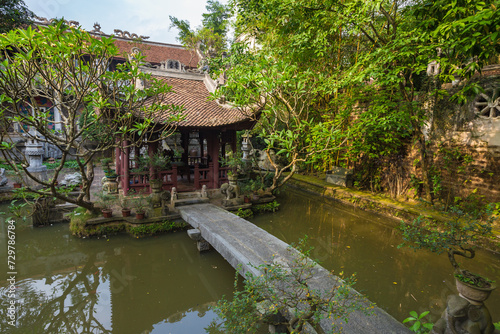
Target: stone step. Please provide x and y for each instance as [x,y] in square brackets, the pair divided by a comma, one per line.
[187,195]
[190,201]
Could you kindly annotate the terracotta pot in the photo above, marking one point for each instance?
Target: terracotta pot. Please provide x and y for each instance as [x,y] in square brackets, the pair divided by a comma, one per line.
[17,185]
[125,212]
[107,213]
[139,215]
[473,293]
[246,199]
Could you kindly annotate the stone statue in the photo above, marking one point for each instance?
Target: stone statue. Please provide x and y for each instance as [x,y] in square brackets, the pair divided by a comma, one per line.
[230,191]
[463,317]
[3,178]
[173,196]
[204,192]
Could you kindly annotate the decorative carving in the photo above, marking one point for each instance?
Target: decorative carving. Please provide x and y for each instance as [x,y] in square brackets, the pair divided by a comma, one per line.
[487,104]
[44,20]
[126,34]
[230,191]
[172,65]
[204,193]
[173,196]
[97,29]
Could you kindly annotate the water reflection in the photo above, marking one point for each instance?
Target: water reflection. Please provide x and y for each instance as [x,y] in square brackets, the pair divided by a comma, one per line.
[353,241]
[115,285]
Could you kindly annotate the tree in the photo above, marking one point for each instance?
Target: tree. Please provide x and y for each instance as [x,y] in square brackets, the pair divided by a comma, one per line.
[367,64]
[99,109]
[287,106]
[14,14]
[211,38]
[217,18]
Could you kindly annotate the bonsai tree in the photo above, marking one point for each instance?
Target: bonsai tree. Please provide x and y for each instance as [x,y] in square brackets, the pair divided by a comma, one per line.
[456,236]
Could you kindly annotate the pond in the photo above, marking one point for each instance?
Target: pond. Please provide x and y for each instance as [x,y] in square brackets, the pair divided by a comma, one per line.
[112,285]
[163,285]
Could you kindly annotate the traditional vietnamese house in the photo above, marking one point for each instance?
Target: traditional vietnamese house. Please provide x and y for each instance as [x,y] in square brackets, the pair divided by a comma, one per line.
[203,136]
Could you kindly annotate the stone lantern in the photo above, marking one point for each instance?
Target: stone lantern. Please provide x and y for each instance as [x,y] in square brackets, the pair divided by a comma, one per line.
[34,152]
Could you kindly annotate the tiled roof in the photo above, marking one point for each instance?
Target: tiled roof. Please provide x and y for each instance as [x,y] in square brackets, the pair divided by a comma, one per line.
[199,111]
[158,52]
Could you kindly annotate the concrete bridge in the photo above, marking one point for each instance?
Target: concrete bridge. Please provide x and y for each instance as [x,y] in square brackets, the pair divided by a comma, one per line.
[243,244]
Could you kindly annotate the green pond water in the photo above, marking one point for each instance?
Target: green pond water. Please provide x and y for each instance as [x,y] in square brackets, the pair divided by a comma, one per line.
[163,285]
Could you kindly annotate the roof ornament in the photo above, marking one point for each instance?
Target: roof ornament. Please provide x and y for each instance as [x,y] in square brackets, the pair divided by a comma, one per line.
[44,20]
[126,34]
[97,29]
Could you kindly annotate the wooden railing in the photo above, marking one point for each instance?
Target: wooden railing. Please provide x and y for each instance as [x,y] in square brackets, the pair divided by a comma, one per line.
[223,175]
[140,180]
[202,176]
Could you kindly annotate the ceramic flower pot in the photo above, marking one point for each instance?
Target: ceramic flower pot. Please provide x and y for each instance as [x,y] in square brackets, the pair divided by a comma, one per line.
[107,213]
[473,293]
[125,212]
[139,215]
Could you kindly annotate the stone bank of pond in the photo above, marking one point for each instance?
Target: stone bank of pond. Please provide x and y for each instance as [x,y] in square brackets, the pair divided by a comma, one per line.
[354,241]
[116,285]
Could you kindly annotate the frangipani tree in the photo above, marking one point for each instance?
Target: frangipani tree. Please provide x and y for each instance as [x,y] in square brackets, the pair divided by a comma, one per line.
[284,99]
[99,109]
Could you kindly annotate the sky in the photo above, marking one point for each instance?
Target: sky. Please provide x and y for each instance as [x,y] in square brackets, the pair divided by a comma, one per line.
[143,17]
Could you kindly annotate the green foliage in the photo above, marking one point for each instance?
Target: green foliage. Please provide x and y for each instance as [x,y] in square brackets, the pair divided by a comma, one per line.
[475,280]
[211,37]
[456,236]
[105,200]
[244,213]
[70,164]
[140,202]
[342,83]
[155,228]
[285,289]
[418,325]
[78,221]
[267,207]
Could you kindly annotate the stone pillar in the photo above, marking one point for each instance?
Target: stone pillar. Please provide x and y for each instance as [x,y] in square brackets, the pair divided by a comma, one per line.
[201,244]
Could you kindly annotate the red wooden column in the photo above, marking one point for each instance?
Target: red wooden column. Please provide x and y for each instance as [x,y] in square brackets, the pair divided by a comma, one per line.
[152,147]
[118,157]
[126,176]
[213,149]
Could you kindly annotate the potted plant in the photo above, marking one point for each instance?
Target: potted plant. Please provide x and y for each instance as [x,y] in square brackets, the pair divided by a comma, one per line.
[158,162]
[17,182]
[233,161]
[123,202]
[108,172]
[456,237]
[105,202]
[141,206]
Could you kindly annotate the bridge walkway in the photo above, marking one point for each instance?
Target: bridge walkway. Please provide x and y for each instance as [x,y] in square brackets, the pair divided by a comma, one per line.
[244,244]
